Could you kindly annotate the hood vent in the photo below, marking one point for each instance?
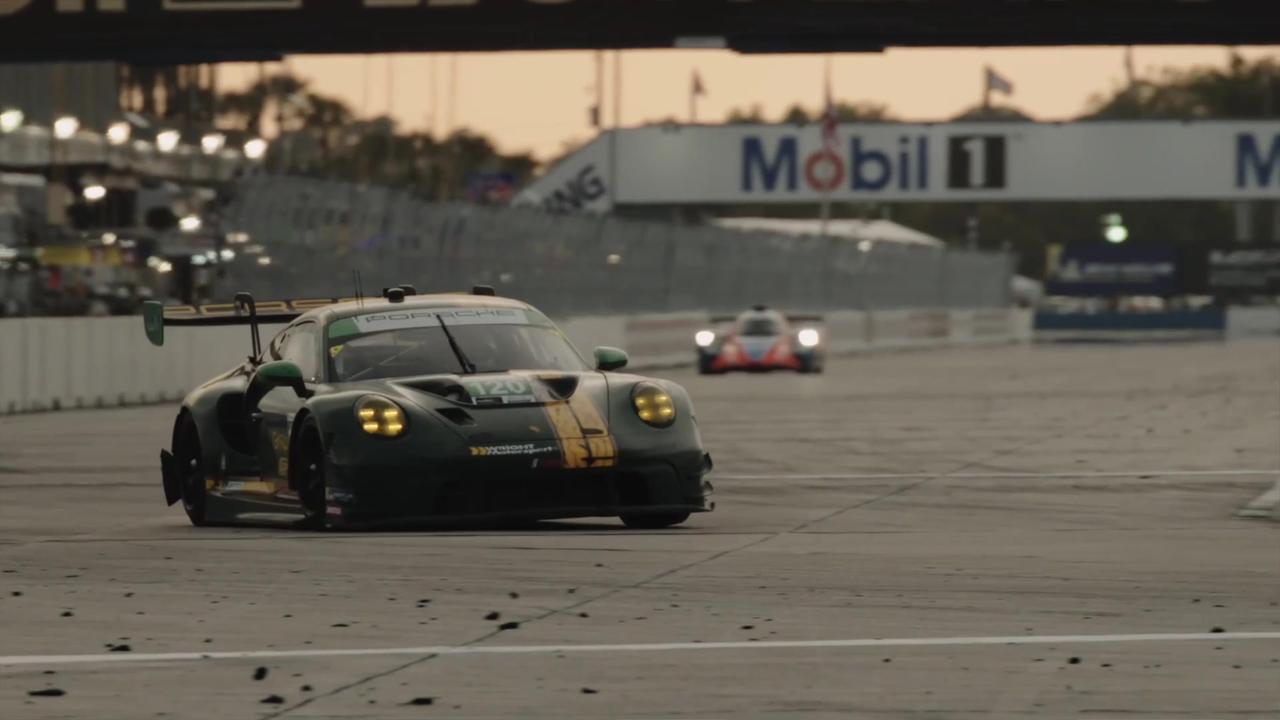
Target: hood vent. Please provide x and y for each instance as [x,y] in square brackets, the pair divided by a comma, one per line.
[444,387]
[457,416]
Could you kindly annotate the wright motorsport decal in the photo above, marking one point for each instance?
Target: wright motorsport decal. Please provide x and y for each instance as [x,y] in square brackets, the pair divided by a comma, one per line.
[529,449]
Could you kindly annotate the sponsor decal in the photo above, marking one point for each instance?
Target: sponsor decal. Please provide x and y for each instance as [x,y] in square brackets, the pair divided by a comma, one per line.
[1245,270]
[243,485]
[861,168]
[395,320]
[583,436]
[580,191]
[976,162]
[514,449]
[1257,160]
[1098,269]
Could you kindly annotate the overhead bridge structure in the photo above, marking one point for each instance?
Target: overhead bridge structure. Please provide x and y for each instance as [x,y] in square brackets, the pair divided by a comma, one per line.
[206,30]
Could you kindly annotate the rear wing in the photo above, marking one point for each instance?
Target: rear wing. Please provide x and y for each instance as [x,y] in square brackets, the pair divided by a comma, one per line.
[244,311]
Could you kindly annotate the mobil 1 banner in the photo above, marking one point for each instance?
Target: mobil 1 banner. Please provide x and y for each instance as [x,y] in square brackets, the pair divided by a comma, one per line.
[950,161]
[1104,270]
[1237,271]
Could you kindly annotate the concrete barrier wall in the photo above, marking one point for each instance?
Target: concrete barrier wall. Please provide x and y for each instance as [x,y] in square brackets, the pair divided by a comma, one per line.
[65,363]
[1263,321]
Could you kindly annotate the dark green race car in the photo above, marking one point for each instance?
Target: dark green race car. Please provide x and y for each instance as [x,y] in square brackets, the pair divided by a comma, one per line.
[426,409]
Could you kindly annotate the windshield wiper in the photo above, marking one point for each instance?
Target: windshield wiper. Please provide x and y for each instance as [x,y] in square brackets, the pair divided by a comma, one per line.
[468,367]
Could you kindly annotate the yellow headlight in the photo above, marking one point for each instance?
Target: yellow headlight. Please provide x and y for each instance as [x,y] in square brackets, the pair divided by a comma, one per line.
[653,405]
[379,416]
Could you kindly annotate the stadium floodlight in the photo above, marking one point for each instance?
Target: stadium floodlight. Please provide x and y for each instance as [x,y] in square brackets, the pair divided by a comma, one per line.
[119,133]
[264,261]
[226,255]
[11,119]
[94,193]
[109,238]
[864,246]
[167,140]
[1113,228]
[255,149]
[190,223]
[65,127]
[212,143]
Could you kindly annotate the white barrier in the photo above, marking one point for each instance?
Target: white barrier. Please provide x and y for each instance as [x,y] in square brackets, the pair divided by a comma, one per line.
[1261,321]
[64,363]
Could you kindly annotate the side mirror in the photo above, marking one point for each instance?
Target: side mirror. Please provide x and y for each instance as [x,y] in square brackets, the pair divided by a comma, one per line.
[282,373]
[610,358]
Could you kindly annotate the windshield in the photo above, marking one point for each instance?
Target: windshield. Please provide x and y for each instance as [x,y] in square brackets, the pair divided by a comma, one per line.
[407,346]
[760,327]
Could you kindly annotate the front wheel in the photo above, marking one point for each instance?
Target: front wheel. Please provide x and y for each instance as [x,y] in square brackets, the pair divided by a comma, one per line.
[311,475]
[190,465]
[653,521]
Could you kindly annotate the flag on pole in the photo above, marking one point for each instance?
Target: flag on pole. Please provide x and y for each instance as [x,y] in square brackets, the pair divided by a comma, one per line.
[830,121]
[998,83]
[696,90]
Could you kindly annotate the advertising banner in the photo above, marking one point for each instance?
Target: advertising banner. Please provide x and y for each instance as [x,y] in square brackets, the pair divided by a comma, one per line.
[1103,270]
[1245,271]
[969,162]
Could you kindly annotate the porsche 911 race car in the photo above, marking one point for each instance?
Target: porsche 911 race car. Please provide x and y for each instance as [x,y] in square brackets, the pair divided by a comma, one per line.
[761,339]
[425,409]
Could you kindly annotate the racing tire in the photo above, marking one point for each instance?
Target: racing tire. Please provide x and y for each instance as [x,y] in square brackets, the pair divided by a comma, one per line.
[311,479]
[810,366]
[653,521]
[704,366]
[189,460]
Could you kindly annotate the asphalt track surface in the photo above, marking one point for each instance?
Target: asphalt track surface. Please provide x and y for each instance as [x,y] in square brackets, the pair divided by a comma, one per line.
[1000,532]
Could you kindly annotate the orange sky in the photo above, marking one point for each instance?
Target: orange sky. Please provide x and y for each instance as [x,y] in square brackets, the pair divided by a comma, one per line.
[537,101]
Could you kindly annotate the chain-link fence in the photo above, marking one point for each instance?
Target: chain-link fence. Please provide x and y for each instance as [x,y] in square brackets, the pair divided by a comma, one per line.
[316,233]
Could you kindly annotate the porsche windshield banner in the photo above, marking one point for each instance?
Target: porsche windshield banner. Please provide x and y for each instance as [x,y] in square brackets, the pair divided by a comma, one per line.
[416,318]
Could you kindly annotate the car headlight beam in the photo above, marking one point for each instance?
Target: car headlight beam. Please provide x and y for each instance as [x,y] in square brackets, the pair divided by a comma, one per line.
[653,405]
[809,337]
[704,338]
[379,416]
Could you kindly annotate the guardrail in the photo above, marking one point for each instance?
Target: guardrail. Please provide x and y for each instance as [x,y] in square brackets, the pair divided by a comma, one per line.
[64,363]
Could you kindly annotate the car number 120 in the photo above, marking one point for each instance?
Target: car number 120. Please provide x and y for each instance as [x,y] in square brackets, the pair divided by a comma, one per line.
[491,388]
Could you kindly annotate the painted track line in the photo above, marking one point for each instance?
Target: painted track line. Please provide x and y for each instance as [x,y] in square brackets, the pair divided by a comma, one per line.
[133,658]
[1000,475]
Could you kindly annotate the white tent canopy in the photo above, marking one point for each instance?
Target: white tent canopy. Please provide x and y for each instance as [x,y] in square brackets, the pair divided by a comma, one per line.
[885,231]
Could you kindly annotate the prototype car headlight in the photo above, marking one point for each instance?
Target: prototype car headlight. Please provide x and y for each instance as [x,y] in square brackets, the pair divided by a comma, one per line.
[379,416]
[808,337]
[653,405]
[704,338]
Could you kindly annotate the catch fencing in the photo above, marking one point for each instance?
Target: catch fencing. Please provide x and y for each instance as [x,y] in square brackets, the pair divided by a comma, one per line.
[317,232]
